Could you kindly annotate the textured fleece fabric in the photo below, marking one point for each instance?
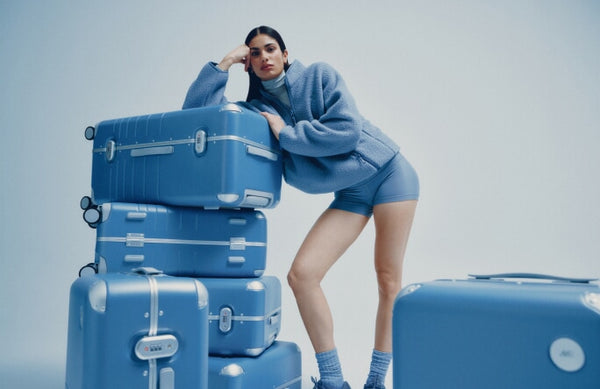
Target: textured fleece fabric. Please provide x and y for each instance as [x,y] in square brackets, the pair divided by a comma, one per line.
[327,144]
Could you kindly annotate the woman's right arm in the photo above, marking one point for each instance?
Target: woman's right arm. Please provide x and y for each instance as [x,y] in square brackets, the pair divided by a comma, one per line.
[240,54]
[209,86]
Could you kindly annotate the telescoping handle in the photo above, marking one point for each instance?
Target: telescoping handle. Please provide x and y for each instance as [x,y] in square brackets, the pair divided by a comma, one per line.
[534,276]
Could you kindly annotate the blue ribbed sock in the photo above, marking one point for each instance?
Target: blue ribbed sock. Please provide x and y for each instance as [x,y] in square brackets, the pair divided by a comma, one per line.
[380,362]
[330,369]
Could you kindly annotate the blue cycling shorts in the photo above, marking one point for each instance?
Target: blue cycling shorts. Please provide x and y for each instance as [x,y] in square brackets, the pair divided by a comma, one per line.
[396,181]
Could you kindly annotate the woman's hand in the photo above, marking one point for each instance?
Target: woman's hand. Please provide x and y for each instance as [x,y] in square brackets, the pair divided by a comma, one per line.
[240,54]
[275,122]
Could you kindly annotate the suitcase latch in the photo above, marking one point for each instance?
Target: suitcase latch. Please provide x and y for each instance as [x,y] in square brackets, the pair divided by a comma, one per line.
[134,240]
[237,243]
[225,319]
[111,150]
[200,144]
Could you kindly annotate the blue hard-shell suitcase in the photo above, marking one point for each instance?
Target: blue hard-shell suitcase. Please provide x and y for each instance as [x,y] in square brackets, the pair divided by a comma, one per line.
[217,156]
[517,331]
[244,314]
[279,367]
[180,241]
[143,330]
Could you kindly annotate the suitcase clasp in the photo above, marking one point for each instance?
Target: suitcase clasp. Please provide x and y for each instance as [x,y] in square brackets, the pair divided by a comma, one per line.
[134,239]
[111,150]
[200,144]
[225,319]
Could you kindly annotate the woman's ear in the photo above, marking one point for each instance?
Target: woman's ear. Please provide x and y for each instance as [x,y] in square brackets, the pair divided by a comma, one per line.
[285,56]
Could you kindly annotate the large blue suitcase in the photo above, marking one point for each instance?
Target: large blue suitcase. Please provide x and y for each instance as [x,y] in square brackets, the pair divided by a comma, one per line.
[244,314]
[137,331]
[279,367]
[218,156]
[181,240]
[497,332]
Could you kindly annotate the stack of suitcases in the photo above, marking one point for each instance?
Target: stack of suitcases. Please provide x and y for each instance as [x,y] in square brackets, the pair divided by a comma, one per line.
[176,296]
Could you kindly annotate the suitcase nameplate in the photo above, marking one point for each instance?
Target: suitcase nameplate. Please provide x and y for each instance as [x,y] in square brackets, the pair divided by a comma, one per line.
[147,151]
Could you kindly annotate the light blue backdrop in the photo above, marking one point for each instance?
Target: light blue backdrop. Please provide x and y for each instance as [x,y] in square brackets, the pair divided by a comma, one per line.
[496,103]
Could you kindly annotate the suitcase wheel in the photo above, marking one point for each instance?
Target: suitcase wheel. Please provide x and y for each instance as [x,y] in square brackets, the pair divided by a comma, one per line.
[86,202]
[92,216]
[90,133]
[89,269]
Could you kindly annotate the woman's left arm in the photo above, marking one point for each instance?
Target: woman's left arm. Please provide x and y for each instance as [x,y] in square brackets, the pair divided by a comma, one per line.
[336,130]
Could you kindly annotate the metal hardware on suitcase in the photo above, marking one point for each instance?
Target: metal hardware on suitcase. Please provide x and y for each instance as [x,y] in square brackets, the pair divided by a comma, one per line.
[279,367]
[497,332]
[181,241]
[219,156]
[141,330]
[244,314]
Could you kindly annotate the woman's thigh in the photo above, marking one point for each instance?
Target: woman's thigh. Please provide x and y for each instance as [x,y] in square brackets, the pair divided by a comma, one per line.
[393,222]
[328,239]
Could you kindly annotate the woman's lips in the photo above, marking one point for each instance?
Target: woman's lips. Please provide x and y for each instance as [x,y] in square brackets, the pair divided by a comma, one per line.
[266,67]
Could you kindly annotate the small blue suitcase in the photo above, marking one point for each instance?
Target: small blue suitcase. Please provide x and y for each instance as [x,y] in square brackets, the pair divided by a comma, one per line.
[279,367]
[497,332]
[244,314]
[181,241]
[218,156]
[142,330]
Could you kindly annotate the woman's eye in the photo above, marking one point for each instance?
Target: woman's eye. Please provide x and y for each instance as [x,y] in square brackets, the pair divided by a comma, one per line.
[254,53]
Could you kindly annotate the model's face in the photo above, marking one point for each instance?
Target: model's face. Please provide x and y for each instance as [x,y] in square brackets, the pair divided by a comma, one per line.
[266,58]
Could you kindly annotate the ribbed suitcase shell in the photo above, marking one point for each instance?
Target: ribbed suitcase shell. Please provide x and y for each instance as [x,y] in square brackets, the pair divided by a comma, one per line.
[182,241]
[114,322]
[244,314]
[494,332]
[279,367]
[218,156]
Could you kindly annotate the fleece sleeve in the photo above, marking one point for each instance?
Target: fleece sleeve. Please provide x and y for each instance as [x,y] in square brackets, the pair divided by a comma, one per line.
[336,131]
[208,88]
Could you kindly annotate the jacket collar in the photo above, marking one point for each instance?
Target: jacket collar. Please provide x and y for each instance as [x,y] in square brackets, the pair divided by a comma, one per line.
[294,72]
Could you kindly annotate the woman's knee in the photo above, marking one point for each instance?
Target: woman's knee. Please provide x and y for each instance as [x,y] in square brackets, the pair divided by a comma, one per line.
[301,279]
[389,284]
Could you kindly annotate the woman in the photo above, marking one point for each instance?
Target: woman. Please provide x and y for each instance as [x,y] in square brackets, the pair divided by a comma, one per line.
[327,147]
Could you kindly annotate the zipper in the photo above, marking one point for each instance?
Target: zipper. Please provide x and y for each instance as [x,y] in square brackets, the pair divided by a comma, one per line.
[288,113]
[291,109]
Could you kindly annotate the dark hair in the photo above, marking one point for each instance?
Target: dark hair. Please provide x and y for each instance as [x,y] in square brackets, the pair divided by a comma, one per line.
[255,82]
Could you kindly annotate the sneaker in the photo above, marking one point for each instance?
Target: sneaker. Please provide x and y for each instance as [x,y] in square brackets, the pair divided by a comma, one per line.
[321,385]
[374,385]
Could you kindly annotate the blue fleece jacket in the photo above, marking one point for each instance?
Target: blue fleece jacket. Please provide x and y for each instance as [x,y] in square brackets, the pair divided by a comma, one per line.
[327,144]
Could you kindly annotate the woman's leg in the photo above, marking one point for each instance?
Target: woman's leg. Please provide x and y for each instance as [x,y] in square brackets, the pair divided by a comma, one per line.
[329,238]
[331,235]
[393,222]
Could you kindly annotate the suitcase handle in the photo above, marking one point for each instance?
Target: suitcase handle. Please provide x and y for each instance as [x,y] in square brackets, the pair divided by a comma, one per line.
[147,271]
[535,276]
[259,152]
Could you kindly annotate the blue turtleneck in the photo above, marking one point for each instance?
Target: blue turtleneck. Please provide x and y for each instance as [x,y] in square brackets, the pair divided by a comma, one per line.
[277,88]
